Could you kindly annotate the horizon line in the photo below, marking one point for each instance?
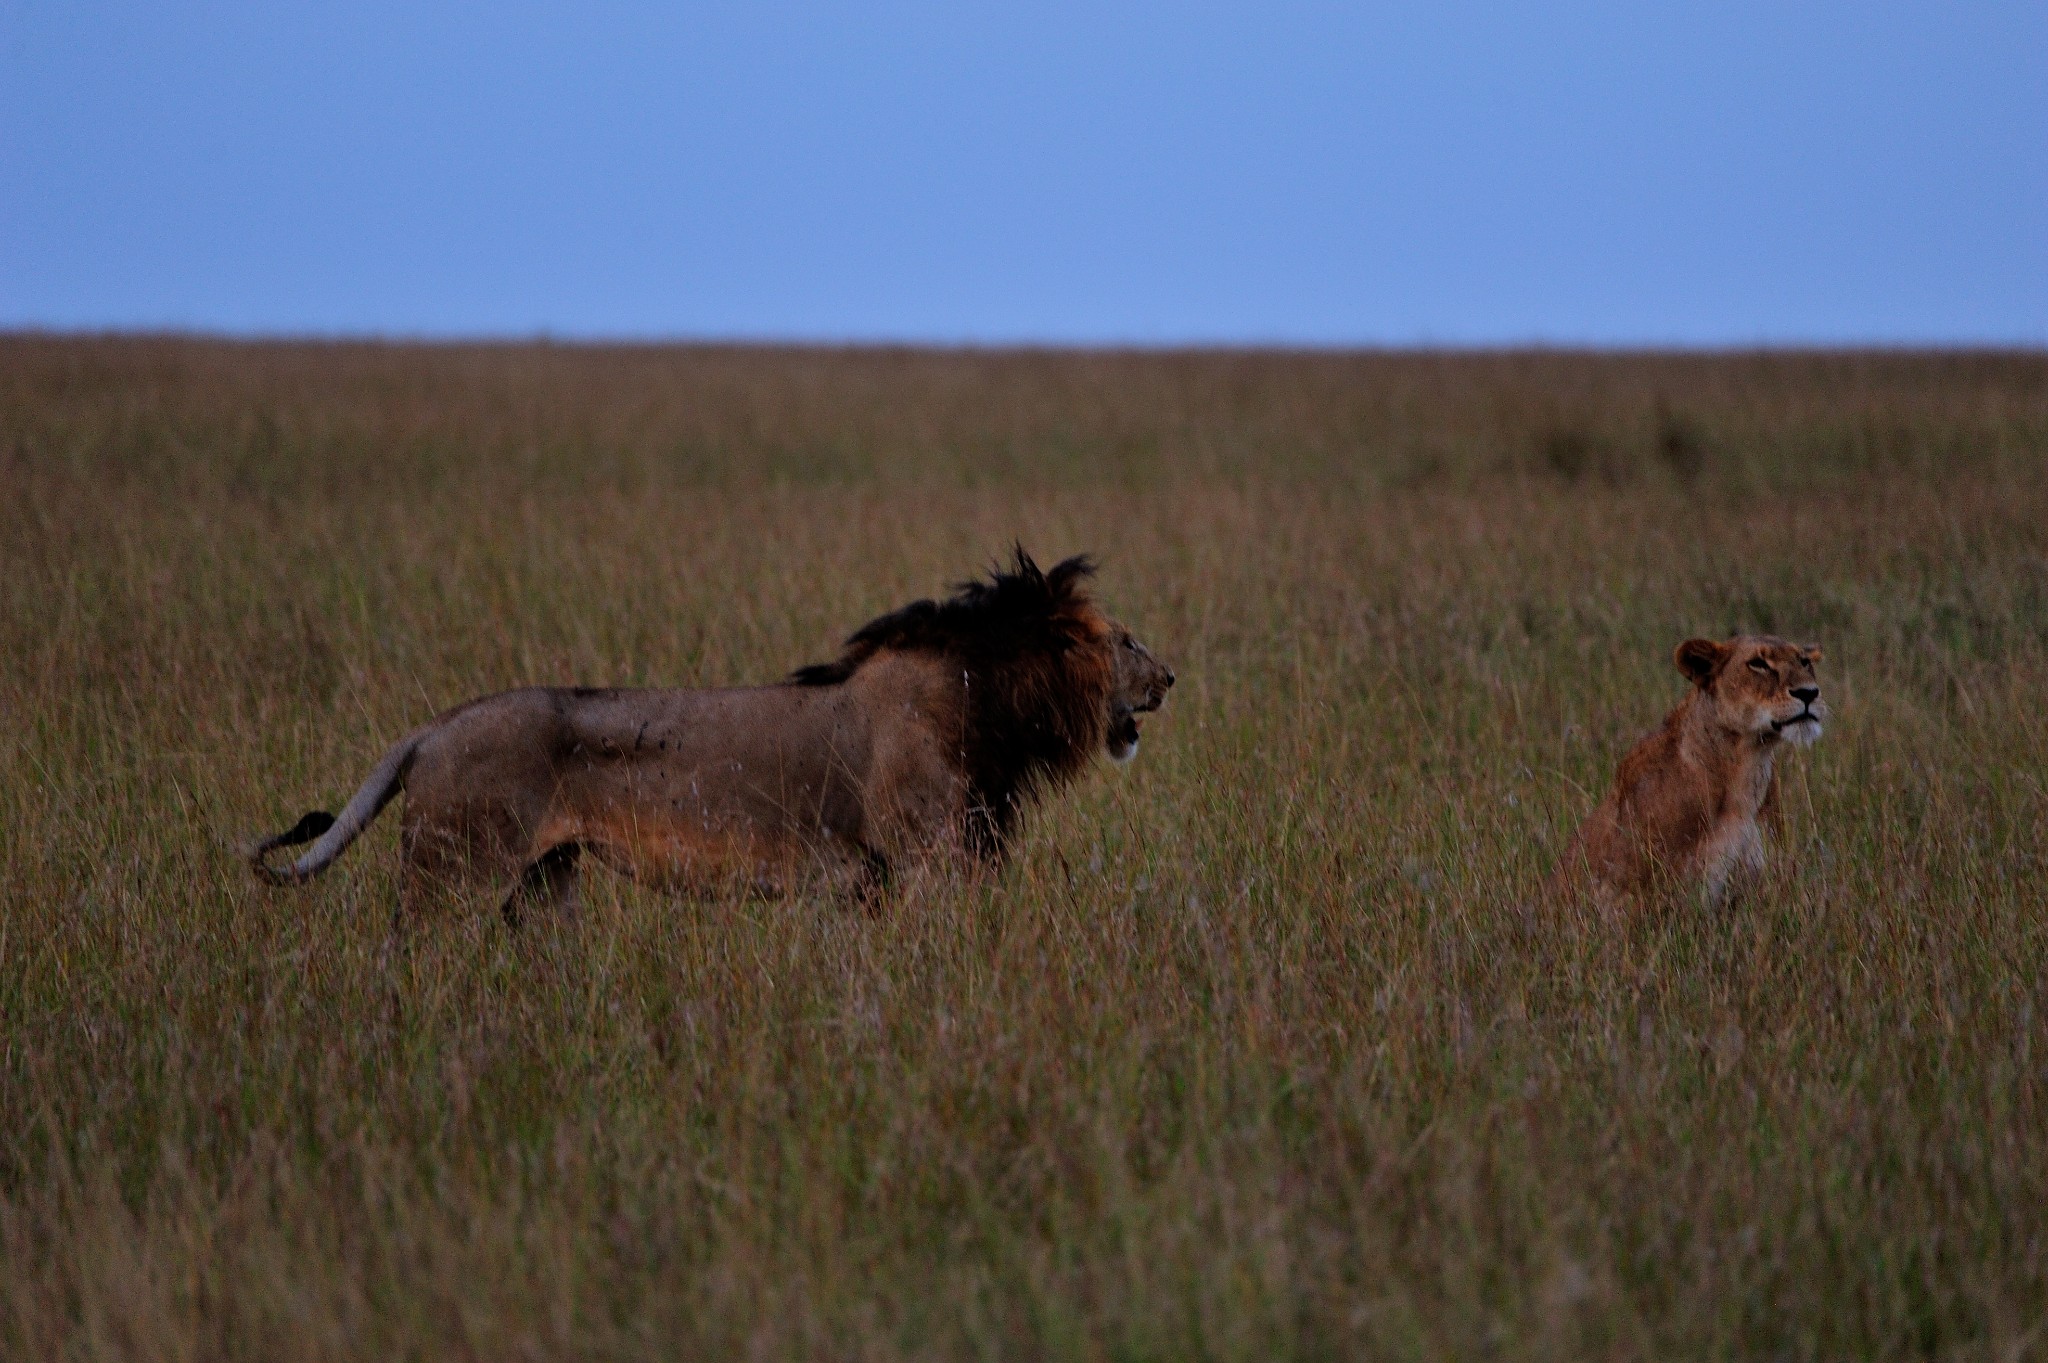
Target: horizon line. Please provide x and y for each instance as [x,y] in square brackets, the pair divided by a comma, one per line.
[680,340]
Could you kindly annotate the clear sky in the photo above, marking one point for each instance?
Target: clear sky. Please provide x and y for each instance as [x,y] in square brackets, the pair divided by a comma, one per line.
[1446,172]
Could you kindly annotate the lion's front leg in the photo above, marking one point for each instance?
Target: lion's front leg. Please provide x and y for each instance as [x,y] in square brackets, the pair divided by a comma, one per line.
[1729,862]
[914,805]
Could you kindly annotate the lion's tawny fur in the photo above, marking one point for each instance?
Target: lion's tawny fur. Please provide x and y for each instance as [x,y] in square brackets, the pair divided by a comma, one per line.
[1695,803]
[924,740]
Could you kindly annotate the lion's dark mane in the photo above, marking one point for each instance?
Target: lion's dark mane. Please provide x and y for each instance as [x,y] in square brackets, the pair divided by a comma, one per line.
[1036,668]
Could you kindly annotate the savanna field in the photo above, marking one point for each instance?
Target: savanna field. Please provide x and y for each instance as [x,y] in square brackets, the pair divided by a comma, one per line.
[1263,1047]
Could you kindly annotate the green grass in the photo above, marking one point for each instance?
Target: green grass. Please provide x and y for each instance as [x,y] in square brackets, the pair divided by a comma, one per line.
[1251,1054]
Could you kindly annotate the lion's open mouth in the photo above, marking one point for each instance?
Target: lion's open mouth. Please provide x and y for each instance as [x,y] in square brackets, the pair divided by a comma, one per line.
[1124,734]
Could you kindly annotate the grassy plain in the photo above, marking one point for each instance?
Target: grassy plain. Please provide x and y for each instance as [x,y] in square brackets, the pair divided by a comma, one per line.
[1249,1055]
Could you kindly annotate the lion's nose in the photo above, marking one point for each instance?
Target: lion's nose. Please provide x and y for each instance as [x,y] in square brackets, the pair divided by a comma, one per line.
[1806,694]
[1169,676]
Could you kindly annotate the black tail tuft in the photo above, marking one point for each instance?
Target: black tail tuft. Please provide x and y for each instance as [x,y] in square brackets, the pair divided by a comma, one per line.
[305,830]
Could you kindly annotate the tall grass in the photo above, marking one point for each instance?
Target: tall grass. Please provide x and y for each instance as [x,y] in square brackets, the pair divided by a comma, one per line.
[1254,1052]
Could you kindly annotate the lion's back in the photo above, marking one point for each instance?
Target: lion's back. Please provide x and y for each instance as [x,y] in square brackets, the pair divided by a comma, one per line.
[490,745]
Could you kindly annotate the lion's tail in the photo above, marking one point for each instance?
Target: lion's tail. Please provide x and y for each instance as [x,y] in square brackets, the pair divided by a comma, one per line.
[330,834]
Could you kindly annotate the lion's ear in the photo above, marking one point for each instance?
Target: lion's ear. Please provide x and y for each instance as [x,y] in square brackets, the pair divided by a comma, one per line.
[1699,659]
[1069,573]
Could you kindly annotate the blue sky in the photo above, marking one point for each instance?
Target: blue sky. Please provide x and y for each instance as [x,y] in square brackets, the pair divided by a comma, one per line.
[1447,173]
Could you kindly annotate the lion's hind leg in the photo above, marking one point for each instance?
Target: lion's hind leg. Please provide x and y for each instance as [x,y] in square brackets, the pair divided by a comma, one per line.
[551,882]
[449,854]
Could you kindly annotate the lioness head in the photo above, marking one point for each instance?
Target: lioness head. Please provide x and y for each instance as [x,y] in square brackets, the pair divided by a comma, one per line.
[1140,688]
[1759,685]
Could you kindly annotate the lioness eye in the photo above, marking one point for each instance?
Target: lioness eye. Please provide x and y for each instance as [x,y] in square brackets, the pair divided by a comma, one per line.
[1759,664]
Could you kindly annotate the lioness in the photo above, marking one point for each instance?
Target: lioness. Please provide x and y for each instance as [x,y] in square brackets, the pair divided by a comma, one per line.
[924,739]
[1688,800]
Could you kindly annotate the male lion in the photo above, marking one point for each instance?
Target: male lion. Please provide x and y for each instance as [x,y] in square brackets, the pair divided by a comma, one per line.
[1688,800]
[923,740]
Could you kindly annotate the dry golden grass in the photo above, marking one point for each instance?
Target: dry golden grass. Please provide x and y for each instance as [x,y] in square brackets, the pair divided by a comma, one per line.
[1249,1055]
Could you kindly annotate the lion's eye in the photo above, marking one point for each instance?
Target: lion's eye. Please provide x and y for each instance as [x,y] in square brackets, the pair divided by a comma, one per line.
[1759,665]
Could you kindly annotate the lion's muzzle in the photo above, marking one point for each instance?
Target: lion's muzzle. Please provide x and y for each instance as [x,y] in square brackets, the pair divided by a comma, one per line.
[1804,727]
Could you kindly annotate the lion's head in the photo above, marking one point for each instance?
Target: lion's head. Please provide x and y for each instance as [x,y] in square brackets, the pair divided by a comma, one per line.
[1045,680]
[1139,689]
[1759,685]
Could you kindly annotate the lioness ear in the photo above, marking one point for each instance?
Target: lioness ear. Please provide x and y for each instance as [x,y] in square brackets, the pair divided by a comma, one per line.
[1699,659]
